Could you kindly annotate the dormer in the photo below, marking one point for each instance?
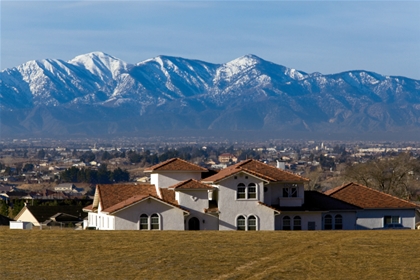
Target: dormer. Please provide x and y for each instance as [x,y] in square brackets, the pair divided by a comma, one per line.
[291,195]
[173,171]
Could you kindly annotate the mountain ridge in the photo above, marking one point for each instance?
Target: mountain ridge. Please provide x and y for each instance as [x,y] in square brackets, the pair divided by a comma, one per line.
[247,93]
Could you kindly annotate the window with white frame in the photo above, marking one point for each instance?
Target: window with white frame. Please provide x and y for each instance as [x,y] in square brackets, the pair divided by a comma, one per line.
[247,223]
[391,220]
[154,222]
[297,223]
[333,221]
[144,222]
[252,223]
[252,191]
[290,191]
[241,191]
[328,222]
[246,192]
[240,223]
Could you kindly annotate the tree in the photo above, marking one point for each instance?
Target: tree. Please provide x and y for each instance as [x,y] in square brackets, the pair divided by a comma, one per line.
[106,156]
[4,208]
[28,167]
[87,156]
[41,154]
[392,175]
[119,175]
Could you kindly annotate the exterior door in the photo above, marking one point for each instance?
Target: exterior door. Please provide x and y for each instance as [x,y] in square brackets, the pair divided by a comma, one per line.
[194,224]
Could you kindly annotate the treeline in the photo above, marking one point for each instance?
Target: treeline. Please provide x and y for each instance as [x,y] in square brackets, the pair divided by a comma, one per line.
[100,176]
[188,153]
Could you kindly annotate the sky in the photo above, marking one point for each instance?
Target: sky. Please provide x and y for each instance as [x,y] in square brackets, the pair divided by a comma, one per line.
[311,36]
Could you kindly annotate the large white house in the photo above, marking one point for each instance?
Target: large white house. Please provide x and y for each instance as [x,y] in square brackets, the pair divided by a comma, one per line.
[249,195]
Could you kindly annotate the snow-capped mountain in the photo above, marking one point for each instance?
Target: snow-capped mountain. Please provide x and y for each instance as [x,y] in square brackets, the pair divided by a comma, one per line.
[98,93]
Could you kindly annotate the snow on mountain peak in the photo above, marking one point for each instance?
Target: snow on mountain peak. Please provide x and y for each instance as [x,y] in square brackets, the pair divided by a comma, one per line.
[100,64]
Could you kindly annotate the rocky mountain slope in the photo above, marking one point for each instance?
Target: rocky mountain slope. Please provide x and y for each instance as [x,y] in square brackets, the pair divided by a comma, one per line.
[98,94]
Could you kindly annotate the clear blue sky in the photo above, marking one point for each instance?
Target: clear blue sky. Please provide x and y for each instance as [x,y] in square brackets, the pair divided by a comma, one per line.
[312,36]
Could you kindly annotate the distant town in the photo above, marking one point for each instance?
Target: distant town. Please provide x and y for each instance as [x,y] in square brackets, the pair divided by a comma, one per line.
[67,170]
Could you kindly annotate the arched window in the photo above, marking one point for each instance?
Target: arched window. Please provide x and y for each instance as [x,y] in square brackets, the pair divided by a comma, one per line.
[297,223]
[241,191]
[327,222]
[252,223]
[286,223]
[252,190]
[144,222]
[338,222]
[240,223]
[154,221]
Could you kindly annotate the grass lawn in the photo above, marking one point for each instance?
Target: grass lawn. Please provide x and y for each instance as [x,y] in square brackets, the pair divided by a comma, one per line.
[66,254]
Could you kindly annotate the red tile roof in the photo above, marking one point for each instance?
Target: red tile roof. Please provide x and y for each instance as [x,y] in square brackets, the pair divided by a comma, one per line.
[88,208]
[258,169]
[114,197]
[176,164]
[168,196]
[111,194]
[190,184]
[367,198]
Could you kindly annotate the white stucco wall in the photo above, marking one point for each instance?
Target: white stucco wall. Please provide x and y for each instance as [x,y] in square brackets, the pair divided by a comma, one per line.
[193,199]
[170,218]
[374,218]
[196,201]
[230,207]
[168,178]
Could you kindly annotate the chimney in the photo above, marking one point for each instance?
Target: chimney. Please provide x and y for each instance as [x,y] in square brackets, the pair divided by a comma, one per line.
[281,165]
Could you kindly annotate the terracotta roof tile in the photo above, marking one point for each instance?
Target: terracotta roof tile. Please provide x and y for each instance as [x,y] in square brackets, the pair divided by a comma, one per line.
[191,184]
[88,208]
[259,169]
[168,196]
[175,164]
[367,198]
[113,194]
[118,196]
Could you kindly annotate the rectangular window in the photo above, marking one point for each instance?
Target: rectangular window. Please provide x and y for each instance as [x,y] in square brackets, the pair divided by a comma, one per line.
[252,224]
[297,224]
[154,222]
[252,192]
[241,224]
[241,193]
[144,223]
[290,192]
[391,220]
[286,223]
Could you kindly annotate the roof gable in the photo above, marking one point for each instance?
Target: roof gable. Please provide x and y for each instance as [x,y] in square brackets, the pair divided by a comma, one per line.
[115,197]
[367,198]
[176,164]
[258,169]
[111,194]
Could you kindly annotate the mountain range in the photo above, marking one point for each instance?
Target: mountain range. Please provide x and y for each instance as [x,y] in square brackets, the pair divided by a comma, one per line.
[96,94]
